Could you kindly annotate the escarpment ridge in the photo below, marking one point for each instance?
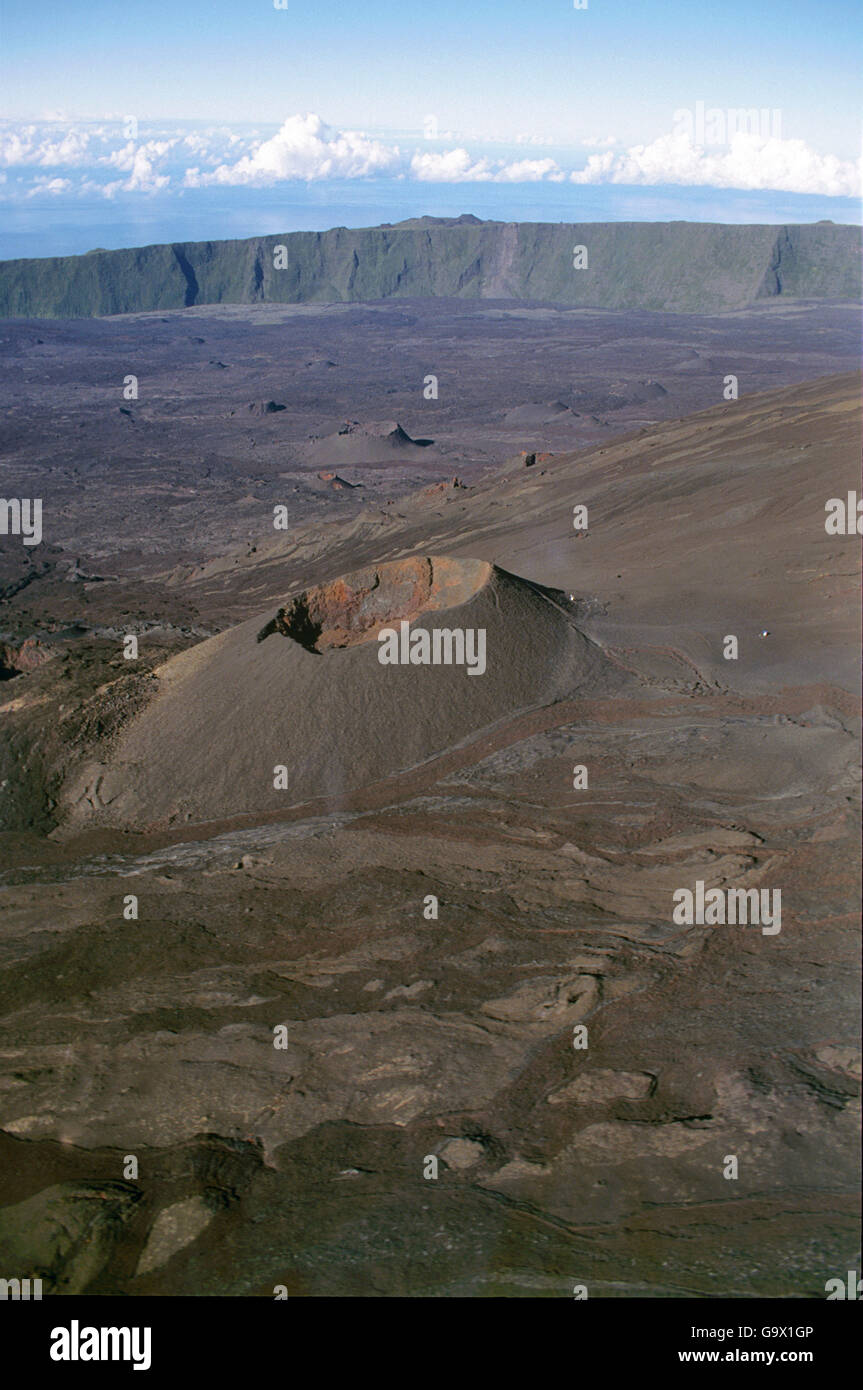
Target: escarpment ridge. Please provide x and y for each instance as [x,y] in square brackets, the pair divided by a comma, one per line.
[684,267]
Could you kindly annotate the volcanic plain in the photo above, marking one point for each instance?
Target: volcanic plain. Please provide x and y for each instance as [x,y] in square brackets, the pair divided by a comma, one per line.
[413,1015]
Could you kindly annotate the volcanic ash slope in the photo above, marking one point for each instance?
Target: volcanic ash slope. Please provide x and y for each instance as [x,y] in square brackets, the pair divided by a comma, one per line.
[304,688]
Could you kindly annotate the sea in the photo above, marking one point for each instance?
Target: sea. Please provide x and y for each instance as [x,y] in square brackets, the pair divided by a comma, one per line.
[47,226]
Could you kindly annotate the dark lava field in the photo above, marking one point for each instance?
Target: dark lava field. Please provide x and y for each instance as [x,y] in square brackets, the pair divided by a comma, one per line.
[366,979]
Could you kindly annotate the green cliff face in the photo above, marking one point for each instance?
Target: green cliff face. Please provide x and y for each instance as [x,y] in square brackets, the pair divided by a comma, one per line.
[684,267]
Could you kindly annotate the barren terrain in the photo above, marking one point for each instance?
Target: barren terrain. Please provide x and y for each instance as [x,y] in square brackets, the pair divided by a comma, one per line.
[435,906]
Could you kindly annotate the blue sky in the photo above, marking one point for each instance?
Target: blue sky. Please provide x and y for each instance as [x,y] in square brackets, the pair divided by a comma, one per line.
[459,104]
[499,68]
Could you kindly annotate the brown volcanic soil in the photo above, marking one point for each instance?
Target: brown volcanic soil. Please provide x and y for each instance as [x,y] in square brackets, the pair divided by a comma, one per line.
[411,1035]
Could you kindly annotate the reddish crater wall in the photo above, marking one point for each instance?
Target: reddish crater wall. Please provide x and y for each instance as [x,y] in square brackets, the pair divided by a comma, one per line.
[355,607]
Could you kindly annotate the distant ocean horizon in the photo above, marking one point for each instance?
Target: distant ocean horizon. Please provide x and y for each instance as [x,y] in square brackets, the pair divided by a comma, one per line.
[45,226]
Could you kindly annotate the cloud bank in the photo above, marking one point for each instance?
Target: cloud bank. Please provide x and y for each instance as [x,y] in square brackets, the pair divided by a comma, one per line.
[750,162]
[85,159]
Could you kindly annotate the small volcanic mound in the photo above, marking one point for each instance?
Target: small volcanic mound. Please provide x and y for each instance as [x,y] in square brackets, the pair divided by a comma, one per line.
[452,484]
[258,408]
[354,608]
[539,413]
[377,429]
[619,394]
[530,459]
[336,482]
[383,441]
[223,714]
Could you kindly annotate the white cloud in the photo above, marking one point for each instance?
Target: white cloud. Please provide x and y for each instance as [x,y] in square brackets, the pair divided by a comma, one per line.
[138,162]
[143,177]
[201,146]
[305,148]
[450,166]
[530,171]
[600,142]
[13,146]
[72,148]
[44,184]
[132,156]
[751,162]
[458,166]
[32,144]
